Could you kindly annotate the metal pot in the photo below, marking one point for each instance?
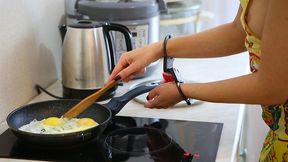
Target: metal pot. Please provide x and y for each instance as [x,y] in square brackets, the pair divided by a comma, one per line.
[181,18]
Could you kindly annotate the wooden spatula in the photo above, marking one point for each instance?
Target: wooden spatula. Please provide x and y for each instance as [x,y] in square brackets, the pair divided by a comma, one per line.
[86,102]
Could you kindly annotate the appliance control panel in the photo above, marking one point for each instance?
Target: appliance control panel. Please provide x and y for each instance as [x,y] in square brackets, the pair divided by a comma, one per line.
[139,39]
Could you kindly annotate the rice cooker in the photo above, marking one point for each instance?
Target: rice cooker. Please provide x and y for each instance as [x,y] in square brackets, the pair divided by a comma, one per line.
[141,17]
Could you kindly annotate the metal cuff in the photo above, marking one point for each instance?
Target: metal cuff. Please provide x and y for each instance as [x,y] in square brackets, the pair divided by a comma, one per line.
[187,100]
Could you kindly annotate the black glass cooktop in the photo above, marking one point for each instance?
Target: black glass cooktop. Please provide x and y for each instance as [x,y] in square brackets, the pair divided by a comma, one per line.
[130,139]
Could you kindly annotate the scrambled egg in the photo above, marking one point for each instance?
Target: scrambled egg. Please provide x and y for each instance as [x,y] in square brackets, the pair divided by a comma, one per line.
[55,125]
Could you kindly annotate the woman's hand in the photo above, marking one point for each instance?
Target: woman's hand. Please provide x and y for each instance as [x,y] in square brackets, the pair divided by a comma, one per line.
[163,96]
[135,62]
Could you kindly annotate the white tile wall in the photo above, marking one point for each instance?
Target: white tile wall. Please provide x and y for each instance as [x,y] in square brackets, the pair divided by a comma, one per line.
[30,49]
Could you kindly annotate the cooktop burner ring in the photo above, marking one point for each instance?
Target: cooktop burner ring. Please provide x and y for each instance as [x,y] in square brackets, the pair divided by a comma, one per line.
[142,137]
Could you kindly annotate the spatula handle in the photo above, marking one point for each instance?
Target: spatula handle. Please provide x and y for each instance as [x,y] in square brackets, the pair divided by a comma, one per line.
[86,102]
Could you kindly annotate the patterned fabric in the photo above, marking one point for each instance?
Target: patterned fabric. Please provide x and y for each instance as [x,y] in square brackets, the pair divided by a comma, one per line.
[275,147]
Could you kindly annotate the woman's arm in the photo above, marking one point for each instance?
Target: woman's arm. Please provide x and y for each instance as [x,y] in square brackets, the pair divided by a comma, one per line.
[269,85]
[223,40]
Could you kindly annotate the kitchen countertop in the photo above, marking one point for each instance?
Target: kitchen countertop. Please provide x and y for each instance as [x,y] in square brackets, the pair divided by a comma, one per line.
[195,70]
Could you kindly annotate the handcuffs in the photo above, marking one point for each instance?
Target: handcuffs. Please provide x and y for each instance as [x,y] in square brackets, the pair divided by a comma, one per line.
[171,74]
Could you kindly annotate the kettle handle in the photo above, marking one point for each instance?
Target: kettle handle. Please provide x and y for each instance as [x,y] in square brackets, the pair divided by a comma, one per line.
[107,27]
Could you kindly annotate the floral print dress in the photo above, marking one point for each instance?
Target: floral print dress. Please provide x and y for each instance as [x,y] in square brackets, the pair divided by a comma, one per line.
[275,147]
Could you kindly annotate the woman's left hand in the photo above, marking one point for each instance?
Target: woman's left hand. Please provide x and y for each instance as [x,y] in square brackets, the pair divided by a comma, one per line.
[163,96]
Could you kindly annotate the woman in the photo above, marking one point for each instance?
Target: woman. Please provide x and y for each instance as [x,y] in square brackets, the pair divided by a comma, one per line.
[261,28]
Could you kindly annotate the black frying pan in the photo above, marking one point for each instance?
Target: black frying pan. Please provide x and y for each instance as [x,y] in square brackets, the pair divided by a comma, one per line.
[101,113]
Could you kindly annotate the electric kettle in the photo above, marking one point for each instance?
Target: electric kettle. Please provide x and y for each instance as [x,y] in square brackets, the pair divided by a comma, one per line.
[88,57]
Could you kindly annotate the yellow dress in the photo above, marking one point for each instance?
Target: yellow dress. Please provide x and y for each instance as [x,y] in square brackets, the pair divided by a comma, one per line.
[275,147]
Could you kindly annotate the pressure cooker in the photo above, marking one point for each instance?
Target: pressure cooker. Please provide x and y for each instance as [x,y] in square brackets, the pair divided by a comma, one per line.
[141,17]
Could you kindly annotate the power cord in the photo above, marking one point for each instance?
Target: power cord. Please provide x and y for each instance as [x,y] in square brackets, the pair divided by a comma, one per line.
[40,89]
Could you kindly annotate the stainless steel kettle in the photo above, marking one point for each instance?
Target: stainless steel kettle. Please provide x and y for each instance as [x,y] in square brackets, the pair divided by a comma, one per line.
[88,57]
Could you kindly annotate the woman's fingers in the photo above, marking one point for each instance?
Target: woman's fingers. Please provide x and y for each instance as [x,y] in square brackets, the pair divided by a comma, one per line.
[163,96]
[131,76]
[127,68]
[157,102]
[153,93]
[155,99]
[118,68]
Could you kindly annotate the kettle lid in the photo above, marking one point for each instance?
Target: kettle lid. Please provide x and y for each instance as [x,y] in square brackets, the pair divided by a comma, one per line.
[84,24]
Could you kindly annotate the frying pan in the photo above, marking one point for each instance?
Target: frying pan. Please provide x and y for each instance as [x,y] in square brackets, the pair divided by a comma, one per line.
[101,113]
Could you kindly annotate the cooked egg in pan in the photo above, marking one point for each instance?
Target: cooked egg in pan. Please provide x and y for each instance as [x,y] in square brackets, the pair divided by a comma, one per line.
[55,125]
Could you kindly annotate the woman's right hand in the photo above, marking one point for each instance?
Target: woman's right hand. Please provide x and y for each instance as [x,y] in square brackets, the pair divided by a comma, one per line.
[135,62]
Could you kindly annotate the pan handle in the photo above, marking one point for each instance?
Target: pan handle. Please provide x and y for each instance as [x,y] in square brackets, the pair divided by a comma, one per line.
[117,103]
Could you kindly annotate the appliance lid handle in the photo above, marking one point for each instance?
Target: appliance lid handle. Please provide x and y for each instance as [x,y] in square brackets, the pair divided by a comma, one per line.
[162,6]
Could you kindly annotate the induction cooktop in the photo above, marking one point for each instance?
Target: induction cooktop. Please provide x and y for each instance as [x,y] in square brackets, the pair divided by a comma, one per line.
[130,139]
